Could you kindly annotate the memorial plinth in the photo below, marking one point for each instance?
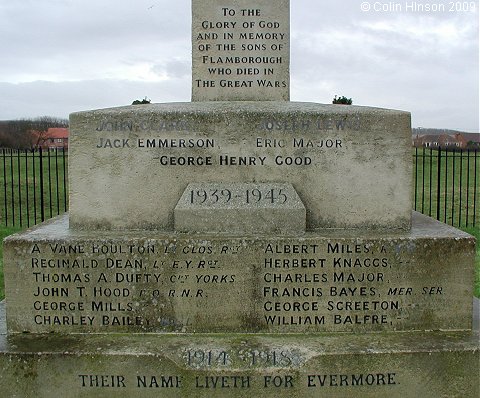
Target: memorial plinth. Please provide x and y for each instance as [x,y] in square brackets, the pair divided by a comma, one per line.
[129,166]
[398,365]
[240,245]
[338,281]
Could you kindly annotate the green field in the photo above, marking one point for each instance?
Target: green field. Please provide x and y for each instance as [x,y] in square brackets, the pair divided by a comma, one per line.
[33,188]
[447,186]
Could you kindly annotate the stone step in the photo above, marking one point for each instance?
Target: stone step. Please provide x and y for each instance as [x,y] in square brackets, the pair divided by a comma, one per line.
[64,281]
[403,365]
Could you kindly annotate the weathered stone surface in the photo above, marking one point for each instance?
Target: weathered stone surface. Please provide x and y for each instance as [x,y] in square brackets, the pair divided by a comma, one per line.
[240,208]
[286,292]
[403,365]
[240,50]
[350,165]
[336,281]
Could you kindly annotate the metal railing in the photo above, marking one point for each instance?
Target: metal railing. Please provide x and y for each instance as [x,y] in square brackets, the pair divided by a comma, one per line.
[35,185]
[446,185]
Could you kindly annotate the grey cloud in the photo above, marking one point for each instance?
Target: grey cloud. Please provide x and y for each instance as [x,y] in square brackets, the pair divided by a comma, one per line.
[376,58]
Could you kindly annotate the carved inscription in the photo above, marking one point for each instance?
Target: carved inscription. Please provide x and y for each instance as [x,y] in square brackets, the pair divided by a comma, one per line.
[290,124]
[214,366]
[276,285]
[237,381]
[286,142]
[223,196]
[240,52]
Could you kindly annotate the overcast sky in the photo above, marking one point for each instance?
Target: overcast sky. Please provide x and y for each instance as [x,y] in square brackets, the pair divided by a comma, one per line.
[62,56]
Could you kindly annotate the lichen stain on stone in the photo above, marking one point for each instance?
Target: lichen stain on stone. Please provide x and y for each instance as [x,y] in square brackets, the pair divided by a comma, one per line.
[428,317]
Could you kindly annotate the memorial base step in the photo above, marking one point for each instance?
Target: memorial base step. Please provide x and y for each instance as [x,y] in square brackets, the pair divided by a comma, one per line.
[436,364]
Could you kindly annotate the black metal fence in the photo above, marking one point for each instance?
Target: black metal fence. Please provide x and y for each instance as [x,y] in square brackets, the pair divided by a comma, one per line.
[446,185]
[35,185]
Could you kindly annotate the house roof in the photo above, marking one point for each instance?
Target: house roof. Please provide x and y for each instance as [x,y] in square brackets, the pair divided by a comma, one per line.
[444,138]
[475,137]
[57,132]
[428,138]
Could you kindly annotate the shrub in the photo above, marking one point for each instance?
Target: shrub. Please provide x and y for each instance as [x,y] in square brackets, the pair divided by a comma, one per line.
[342,100]
[141,102]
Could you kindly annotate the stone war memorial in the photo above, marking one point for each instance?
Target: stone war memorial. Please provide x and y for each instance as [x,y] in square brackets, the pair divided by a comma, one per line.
[240,245]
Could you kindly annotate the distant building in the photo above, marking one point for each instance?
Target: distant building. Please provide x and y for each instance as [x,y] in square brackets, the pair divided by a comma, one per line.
[447,141]
[53,138]
[469,140]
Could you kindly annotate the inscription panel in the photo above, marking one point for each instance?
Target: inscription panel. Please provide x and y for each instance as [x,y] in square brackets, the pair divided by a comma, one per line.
[399,365]
[240,50]
[221,195]
[349,169]
[205,284]
[240,208]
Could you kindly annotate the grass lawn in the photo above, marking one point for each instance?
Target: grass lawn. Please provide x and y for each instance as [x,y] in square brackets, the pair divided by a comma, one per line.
[447,186]
[5,231]
[33,188]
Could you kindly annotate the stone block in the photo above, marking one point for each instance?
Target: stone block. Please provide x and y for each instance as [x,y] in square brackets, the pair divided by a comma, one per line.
[398,365]
[350,165]
[64,281]
[241,52]
[240,208]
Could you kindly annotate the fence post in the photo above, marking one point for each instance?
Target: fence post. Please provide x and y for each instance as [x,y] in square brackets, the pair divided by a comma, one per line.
[475,189]
[446,184]
[423,181]
[26,188]
[64,180]
[49,183]
[12,187]
[56,181]
[5,196]
[453,187]
[439,169]
[42,198]
[19,173]
[468,186]
[460,189]
[416,178]
[34,187]
[430,183]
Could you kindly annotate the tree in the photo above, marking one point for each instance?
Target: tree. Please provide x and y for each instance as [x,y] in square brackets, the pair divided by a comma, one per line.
[473,145]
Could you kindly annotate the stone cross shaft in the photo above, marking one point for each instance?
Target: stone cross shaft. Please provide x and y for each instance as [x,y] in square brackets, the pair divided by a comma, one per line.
[240,50]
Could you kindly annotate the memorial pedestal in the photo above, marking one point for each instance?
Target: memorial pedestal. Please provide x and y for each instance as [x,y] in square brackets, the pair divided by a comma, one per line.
[64,281]
[410,364]
[350,165]
[90,356]
[240,245]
